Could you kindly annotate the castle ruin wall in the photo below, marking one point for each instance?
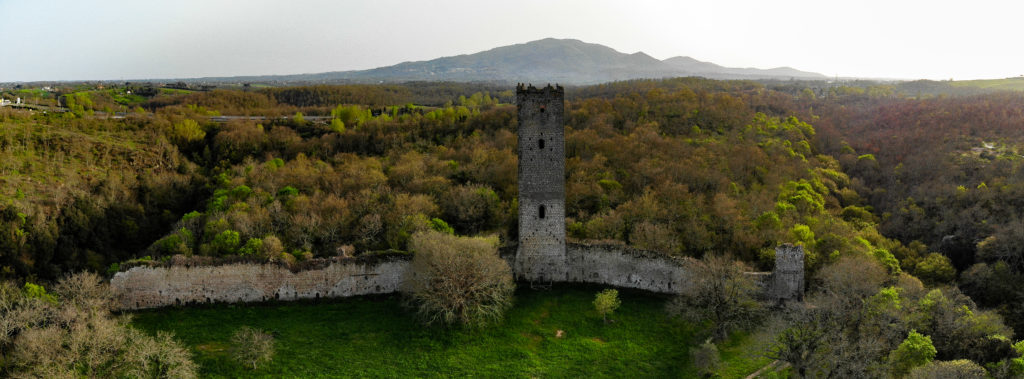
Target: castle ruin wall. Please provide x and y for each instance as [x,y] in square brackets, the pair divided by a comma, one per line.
[625,267]
[605,264]
[151,287]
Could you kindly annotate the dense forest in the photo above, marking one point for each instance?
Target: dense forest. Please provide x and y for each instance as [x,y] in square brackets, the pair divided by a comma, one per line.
[928,186]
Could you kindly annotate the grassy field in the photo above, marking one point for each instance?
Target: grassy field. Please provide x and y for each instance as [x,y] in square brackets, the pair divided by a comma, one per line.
[376,337]
[1008,84]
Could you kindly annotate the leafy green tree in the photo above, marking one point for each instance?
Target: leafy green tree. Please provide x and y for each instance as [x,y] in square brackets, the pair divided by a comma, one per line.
[252,247]
[914,351]
[935,269]
[606,302]
[337,126]
[179,242]
[351,115]
[225,243]
[187,131]
[959,329]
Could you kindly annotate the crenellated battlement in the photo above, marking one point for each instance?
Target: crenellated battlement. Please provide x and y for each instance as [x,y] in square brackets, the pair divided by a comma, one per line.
[548,89]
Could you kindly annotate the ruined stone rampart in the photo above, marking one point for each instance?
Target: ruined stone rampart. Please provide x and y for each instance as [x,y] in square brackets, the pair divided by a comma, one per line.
[151,287]
[626,267]
[595,263]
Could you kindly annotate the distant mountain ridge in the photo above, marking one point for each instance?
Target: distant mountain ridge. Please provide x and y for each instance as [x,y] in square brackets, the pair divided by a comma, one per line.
[566,61]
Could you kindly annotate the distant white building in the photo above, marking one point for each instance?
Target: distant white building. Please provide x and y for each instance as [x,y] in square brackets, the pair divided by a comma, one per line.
[19,101]
[4,102]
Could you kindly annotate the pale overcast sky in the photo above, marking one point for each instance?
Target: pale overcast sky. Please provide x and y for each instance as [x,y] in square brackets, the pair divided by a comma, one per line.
[132,39]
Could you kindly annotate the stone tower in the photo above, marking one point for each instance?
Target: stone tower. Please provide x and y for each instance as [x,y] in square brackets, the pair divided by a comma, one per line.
[541,255]
[788,276]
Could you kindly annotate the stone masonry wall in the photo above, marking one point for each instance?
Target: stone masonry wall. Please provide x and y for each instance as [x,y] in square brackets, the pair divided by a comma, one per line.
[607,264]
[150,287]
[626,267]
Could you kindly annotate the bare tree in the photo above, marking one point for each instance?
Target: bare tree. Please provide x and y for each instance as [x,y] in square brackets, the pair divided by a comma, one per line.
[458,279]
[76,336]
[719,291]
[845,328]
[252,346]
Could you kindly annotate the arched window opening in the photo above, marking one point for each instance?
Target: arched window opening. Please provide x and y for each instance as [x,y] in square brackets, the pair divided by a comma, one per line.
[541,109]
[540,211]
[540,143]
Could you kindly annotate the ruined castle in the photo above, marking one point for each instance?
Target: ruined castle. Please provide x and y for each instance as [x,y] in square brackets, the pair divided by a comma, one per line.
[542,255]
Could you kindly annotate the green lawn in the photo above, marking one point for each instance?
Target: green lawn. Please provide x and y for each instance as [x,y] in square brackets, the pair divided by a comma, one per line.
[375,336]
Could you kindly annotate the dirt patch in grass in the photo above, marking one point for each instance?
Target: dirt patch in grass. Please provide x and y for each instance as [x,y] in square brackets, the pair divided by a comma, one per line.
[212,348]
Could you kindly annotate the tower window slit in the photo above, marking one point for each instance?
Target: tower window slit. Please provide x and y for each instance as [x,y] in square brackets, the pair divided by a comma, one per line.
[540,143]
[540,211]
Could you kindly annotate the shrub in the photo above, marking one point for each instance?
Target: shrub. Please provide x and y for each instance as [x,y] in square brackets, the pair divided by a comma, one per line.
[458,280]
[178,242]
[253,247]
[190,216]
[606,302]
[35,291]
[441,226]
[113,268]
[241,192]
[225,243]
[251,346]
[959,369]
[288,191]
[285,258]
[271,246]
[887,260]
[705,358]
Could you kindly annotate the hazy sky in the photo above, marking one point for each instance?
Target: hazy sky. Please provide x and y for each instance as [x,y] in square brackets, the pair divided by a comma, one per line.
[132,39]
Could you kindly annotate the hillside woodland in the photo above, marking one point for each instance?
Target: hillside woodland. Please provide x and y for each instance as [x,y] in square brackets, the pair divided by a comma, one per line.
[907,204]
